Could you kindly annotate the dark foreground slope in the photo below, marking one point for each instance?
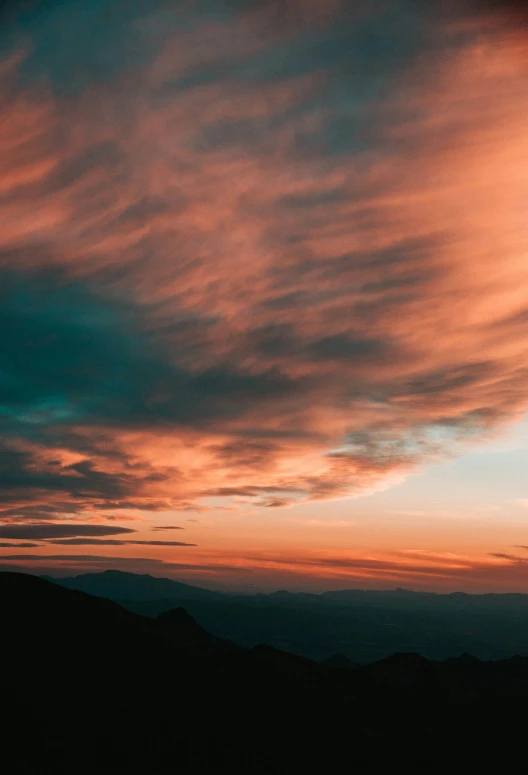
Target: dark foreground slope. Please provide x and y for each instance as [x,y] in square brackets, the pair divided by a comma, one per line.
[90,687]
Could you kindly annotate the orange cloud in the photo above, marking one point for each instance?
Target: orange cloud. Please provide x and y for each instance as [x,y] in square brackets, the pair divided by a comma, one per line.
[304,324]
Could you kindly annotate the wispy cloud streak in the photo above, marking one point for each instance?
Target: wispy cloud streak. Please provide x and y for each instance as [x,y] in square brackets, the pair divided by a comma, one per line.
[246,258]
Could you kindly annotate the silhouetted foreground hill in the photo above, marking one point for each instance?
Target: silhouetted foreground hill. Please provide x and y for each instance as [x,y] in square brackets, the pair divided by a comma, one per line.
[363,626]
[90,687]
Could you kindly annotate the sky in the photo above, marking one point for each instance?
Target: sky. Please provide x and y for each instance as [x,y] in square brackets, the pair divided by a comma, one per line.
[264,292]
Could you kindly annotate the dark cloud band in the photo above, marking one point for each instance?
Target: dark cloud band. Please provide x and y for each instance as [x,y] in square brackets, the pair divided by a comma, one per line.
[57,530]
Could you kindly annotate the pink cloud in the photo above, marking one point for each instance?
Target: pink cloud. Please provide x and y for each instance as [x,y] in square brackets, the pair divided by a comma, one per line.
[380,294]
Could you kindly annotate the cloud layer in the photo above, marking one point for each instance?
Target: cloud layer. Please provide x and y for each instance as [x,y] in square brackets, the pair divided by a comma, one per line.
[267,253]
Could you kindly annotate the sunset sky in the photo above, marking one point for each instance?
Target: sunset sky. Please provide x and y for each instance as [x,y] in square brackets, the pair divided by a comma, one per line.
[264,292]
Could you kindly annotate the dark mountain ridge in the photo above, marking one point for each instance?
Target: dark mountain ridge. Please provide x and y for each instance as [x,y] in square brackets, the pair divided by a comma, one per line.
[92,687]
[145,587]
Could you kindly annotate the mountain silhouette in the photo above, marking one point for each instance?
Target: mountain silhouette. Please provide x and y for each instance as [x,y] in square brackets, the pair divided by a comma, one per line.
[119,585]
[90,687]
[339,662]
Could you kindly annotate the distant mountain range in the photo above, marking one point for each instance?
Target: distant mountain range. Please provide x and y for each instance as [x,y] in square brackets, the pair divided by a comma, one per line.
[90,687]
[361,625]
[118,585]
